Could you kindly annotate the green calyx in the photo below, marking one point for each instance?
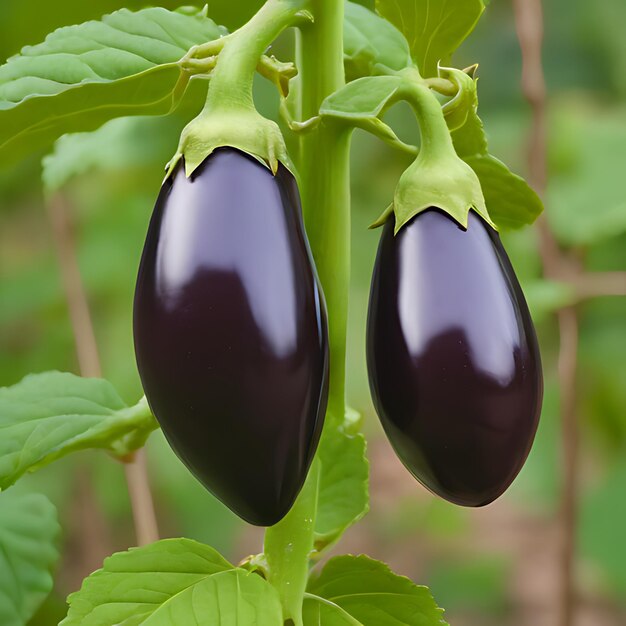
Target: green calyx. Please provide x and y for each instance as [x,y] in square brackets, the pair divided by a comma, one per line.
[448,184]
[438,178]
[229,117]
[243,129]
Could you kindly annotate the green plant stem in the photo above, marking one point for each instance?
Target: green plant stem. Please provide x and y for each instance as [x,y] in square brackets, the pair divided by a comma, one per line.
[232,79]
[434,132]
[442,86]
[229,117]
[288,546]
[324,166]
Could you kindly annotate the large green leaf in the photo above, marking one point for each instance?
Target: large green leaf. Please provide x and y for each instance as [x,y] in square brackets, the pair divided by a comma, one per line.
[28,534]
[371,593]
[433,28]
[368,41]
[122,143]
[116,144]
[510,201]
[82,76]
[46,416]
[320,612]
[125,142]
[343,496]
[170,582]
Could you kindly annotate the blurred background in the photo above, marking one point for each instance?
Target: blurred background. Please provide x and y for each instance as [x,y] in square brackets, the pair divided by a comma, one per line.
[499,565]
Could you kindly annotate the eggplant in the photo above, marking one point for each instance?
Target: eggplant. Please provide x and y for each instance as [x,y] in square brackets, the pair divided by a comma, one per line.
[453,362]
[231,332]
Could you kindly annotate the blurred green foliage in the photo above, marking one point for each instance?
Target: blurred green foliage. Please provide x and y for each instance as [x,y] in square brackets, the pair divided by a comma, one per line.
[585,62]
[477,586]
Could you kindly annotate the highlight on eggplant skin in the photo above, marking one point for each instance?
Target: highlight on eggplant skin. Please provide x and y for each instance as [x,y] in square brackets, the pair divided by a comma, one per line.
[231,332]
[453,361]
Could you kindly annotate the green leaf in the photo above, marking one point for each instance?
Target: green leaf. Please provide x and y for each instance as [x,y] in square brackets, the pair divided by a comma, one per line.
[173,581]
[371,593]
[361,103]
[510,200]
[320,612]
[476,586]
[470,139]
[120,144]
[433,28]
[28,537]
[46,416]
[343,497]
[362,99]
[82,76]
[370,41]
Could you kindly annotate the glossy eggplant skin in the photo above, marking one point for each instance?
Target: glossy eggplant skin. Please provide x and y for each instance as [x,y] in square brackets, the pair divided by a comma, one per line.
[231,332]
[453,360]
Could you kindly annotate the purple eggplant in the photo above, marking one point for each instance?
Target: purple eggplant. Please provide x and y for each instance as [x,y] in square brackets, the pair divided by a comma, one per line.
[231,332]
[453,360]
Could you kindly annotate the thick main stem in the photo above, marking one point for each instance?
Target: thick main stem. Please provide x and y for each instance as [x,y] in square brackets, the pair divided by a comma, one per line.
[325,191]
[324,167]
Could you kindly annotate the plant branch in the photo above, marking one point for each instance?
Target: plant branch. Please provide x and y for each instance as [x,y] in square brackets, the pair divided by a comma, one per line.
[529,22]
[89,360]
[78,307]
[229,116]
[588,285]
[144,516]
[434,132]
[232,77]
[89,534]
[441,85]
